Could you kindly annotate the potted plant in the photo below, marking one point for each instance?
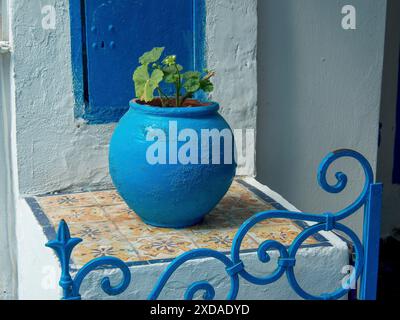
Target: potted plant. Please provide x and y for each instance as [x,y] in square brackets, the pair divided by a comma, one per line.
[171,156]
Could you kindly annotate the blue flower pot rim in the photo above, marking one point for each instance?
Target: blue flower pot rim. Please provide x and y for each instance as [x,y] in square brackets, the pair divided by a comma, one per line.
[213,107]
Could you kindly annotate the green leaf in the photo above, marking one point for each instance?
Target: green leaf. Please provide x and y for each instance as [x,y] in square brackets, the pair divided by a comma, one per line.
[157,76]
[206,86]
[172,69]
[151,85]
[151,56]
[171,73]
[192,75]
[148,92]
[172,78]
[170,60]
[144,84]
[192,85]
[140,77]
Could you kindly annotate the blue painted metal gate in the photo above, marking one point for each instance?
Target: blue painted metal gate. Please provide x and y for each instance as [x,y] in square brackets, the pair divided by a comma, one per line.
[366,252]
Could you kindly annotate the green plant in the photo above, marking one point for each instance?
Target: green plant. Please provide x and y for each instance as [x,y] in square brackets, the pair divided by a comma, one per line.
[149,76]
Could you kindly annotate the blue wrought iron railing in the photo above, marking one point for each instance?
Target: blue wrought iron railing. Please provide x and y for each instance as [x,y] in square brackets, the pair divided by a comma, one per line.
[365,262]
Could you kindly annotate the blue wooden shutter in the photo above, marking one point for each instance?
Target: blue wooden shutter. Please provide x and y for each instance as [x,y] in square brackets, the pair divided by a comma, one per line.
[117,32]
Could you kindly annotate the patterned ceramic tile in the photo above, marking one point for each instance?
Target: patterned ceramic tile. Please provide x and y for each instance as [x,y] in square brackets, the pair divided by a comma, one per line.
[94,232]
[74,215]
[275,221]
[132,229]
[68,201]
[120,213]
[215,221]
[109,227]
[108,198]
[282,233]
[242,204]
[162,247]
[221,240]
[155,231]
[88,251]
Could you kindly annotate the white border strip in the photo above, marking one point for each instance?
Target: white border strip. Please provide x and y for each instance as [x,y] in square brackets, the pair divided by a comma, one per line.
[330,236]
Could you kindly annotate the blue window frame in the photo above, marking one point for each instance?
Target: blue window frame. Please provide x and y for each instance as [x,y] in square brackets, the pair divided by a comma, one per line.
[108,37]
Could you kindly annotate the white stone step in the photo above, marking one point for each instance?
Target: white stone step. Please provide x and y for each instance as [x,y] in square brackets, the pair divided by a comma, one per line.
[318,267]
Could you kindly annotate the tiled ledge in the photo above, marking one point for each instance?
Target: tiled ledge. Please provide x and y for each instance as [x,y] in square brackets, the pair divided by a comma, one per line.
[109,228]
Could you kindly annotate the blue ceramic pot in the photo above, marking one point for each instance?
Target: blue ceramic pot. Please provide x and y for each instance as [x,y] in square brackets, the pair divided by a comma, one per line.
[165,191]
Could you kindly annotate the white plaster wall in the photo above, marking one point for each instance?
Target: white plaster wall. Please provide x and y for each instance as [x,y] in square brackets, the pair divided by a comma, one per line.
[8,243]
[8,261]
[38,268]
[318,270]
[232,53]
[57,152]
[319,90]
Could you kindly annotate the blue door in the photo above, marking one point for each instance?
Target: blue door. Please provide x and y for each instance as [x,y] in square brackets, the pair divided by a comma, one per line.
[117,32]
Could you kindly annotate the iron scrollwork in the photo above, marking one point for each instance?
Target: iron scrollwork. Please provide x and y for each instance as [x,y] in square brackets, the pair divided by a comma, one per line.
[234,266]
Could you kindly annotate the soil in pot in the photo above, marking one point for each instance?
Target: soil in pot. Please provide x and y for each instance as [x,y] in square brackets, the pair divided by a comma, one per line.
[171,103]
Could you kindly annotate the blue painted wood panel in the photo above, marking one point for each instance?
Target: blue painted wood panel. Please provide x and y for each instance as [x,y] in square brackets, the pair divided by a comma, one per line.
[115,33]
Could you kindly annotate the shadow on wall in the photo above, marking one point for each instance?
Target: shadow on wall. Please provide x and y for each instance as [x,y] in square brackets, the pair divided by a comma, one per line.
[8,274]
[319,90]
